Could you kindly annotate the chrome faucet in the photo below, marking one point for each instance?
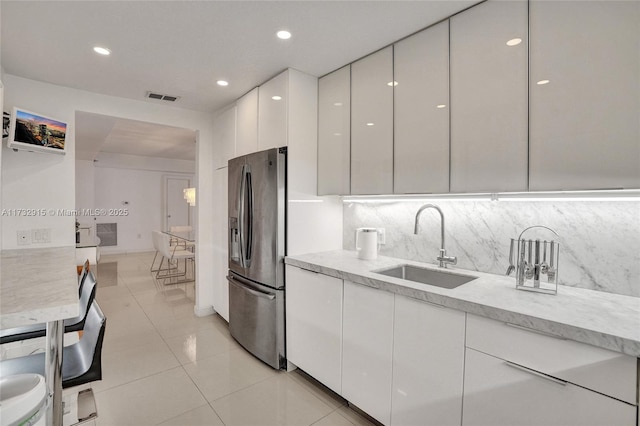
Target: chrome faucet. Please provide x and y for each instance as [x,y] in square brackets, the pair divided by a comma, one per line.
[442,258]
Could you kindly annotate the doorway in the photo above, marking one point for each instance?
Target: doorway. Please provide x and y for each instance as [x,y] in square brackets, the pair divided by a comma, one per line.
[176,211]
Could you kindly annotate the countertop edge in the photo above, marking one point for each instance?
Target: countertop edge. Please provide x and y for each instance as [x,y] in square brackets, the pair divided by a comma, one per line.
[580,334]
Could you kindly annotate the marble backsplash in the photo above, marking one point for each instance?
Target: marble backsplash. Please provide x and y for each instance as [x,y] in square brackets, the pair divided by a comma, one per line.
[599,240]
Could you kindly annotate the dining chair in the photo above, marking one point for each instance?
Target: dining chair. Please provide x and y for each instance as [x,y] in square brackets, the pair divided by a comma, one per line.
[173,255]
[182,230]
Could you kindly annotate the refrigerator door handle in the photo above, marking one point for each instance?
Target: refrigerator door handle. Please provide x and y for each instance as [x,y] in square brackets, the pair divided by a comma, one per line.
[249,249]
[241,211]
[250,290]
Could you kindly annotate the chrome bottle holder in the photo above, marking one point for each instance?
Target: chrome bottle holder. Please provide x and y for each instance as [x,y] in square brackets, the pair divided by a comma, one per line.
[537,263]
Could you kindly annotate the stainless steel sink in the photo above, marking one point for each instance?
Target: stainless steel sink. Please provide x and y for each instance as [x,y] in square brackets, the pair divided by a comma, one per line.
[426,276]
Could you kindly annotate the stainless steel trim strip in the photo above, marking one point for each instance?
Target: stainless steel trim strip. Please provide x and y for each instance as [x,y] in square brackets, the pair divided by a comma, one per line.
[536,373]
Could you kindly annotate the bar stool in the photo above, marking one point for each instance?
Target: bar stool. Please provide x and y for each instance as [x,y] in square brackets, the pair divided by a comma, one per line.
[87,295]
[81,363]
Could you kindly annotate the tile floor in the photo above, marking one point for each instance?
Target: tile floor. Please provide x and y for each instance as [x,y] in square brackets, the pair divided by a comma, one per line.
[162,365]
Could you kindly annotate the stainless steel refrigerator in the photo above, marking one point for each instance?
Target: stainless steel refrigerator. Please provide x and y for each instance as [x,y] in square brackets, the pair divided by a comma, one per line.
[257,246]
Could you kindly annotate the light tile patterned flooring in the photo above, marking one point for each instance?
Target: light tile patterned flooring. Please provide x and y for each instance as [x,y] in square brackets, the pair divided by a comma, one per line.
[162,365]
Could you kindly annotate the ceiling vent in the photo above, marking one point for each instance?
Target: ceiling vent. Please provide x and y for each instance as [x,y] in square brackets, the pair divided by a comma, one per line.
[161,97]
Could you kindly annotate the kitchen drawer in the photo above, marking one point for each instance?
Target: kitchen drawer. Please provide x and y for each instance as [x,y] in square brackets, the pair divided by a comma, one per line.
[601,370]
[497,392]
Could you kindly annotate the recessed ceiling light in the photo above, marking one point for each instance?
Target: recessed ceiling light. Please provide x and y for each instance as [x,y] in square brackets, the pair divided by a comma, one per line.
[369,124]
[337,134]
[284,35]
[222,83]
[102,50]
[541,82]
[514,42]
[392,83]
[441,106]
[276,98]
[337,104]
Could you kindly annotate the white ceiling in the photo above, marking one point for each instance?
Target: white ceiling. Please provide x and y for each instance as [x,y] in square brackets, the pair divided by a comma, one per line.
[181,47]
[101,133]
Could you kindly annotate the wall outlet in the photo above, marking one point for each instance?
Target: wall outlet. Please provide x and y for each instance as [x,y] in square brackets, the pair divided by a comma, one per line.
[41,236]
[24,238]
[382,236]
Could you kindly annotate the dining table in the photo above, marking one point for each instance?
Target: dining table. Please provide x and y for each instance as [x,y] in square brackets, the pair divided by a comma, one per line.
[40,285]
[186,236]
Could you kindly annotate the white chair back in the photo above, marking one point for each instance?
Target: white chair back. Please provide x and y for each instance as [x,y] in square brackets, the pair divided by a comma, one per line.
[164,244]
[156,238]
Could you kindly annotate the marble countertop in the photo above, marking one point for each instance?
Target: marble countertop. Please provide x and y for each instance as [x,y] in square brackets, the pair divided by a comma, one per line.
[597,318]
[37,285]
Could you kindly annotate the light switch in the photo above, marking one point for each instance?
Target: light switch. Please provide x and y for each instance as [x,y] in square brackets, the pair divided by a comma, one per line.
[41,236]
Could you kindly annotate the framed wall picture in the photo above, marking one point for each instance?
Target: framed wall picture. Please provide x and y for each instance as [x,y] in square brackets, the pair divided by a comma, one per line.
[35,132]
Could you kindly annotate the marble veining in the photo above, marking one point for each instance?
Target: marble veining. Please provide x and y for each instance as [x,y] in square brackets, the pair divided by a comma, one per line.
[37,286]
[601,319]
[599,240]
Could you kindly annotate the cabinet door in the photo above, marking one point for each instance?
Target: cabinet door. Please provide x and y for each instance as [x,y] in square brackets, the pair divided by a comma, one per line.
[367,349]
[421,112]
[272,113]
[585,130]
[220,247]
[224,134]
[428,364]
[314,325]
[499,393]
[489,141]
[334,132]
[372,124]
[247,123]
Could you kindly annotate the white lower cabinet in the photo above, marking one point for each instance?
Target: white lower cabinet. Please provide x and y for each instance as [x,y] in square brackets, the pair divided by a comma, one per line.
[518,376]
[367,349]
[408,362]
[314,325]
[497,392]
[428,364]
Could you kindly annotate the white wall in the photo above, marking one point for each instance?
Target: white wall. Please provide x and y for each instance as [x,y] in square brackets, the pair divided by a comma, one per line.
[143,191]
[85,188]
[122,161]
[314,223]
[48,181]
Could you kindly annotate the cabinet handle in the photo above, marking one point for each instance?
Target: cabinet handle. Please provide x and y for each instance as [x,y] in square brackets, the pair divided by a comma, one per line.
[531,330]
[308,270]
[536,373]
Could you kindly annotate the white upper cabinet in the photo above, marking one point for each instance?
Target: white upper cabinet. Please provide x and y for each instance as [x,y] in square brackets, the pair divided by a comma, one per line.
[489,142]
[247,123]
[224,136]
[334,132]
[272,112]
[421,116]
[585,125]
[372,124]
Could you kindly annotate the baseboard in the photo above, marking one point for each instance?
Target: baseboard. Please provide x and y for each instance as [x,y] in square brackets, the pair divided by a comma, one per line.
[105,251]
[203,311]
